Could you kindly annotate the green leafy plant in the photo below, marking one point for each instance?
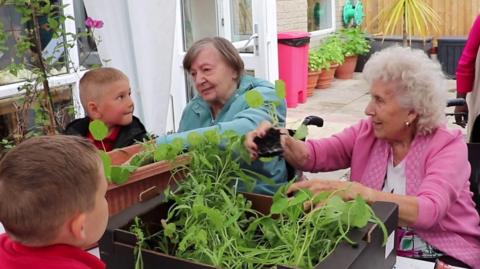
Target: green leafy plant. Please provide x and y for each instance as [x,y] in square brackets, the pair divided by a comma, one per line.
[38,18]
[209,222]
[255,99]
[119,174]
[353,41]
[330,52]
[412,16]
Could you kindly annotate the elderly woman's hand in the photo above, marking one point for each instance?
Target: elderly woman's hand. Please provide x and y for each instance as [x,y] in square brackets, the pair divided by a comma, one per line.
[295,151]
[249,137]
[348,190]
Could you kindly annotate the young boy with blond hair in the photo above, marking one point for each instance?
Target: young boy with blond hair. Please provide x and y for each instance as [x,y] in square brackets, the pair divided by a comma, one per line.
[52,204]
[105,95]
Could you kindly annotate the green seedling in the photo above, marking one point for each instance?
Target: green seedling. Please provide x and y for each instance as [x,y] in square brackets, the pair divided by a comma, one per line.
[209,222]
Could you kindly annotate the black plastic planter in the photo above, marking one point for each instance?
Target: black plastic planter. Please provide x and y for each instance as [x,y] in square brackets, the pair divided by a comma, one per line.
[378,43]
[117,244]
[450,49]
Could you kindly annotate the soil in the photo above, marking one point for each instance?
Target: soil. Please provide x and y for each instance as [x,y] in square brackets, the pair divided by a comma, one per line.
[269,145]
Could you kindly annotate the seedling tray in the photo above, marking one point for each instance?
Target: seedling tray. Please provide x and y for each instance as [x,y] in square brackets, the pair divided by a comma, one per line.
[117,244]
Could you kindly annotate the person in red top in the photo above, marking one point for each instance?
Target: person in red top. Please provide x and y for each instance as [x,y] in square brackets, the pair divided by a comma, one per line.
[105,95]
[468,82]
[52,204]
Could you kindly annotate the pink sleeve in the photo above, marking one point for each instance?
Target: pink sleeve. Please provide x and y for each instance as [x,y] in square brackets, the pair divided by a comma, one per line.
[466,64]
[335,152]
[447,172]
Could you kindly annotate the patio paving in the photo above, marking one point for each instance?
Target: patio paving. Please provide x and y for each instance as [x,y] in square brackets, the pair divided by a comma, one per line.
[340,106]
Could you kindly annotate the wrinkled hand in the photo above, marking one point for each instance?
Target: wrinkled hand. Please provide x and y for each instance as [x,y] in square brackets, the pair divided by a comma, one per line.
[461,120]
[249,137]
[348,190]
[295,151]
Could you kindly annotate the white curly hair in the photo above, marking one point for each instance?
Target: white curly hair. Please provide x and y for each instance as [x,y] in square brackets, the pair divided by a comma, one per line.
[421,83]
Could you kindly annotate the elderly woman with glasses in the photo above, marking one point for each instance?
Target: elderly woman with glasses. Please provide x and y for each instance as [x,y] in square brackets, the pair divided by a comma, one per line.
[402,153]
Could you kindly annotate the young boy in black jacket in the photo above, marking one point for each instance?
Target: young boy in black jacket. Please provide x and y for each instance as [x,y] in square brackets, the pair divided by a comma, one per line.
[105,95]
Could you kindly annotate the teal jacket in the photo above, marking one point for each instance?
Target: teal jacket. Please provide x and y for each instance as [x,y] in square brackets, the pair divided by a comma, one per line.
[236,115]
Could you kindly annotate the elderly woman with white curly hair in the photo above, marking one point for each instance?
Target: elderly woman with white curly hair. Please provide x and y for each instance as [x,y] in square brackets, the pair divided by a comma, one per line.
[403,153]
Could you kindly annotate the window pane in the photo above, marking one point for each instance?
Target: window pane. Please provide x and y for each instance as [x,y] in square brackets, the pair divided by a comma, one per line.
[319,15]
[241,16]
[52,49]
[199,20]
[87,48]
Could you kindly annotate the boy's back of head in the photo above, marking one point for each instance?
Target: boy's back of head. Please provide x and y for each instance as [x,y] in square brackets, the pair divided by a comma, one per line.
[43,182]
[93,83]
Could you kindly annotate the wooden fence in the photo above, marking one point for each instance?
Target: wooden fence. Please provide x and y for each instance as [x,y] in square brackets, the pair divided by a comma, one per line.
[456,16]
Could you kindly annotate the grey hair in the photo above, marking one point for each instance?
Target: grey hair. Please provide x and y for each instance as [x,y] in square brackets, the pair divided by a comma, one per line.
[228,52]
[421,84]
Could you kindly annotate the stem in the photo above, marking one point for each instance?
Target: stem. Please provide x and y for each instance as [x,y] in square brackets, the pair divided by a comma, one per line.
[44,76]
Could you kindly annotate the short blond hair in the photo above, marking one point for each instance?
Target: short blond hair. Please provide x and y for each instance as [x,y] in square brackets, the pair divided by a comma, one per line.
[44,181]
[93,82]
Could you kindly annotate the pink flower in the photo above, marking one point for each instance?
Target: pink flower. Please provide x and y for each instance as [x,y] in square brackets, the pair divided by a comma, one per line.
[94,24]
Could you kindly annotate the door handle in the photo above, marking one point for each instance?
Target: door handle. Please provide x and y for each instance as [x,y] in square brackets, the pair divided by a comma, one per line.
[250,39]
[254,38]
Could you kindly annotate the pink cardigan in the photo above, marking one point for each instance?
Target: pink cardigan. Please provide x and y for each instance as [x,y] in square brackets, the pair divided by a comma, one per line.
[466,64]
[437,172]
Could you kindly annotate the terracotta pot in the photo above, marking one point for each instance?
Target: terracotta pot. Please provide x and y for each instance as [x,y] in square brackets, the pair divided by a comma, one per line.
[326,77]
[146,182]
[312,81]
[345,71]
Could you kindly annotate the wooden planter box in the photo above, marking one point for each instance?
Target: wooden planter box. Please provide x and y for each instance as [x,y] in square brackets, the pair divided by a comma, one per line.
[117,244]
[147,181]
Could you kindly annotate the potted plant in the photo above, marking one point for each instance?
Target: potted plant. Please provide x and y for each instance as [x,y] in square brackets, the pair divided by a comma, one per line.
[206,223]
[411,16]
[330,56]
[37,21]
[353,44]
[314,68]
[138,172]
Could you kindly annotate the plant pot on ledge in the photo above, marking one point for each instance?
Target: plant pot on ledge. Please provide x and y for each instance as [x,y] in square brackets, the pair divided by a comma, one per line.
[326,77]
[147,181]
[312,81]
[345,70]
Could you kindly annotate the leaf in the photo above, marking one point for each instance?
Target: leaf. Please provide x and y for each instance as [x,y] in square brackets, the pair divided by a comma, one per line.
[254,98]
[170,229]
[300,197]
[321,197]
[280,89]
[177,145]
[336,207]
[279,206]
[161,152]
[212,136]
[107,163]
[301,132]
[358,214]
[194,139]
[120,174]
[98,129]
